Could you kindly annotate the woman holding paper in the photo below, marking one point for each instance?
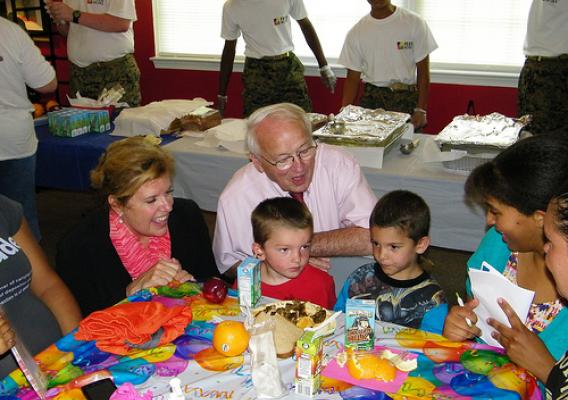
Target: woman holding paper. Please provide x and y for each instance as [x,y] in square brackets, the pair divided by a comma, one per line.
[142,237]
[515,189]
[523,346]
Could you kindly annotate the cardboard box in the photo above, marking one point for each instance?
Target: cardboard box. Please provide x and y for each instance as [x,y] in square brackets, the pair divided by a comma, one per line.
[248,280]
[360,324]
[309,354]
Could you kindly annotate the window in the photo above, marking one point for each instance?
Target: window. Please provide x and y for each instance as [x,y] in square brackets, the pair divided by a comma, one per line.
[480,42]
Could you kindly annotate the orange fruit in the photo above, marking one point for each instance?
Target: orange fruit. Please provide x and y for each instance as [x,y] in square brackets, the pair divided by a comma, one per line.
[230,338]
[39,110]
[370,366]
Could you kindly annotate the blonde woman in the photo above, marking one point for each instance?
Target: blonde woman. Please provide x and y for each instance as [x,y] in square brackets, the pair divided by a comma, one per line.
[141,238]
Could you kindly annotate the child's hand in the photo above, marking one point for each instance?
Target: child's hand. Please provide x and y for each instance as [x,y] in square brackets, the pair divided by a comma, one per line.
[456,326]
[320,262]
[7,335]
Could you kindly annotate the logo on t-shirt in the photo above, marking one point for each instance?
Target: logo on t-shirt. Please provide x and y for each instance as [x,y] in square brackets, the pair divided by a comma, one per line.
[404,45]
[100,2]
[280,20]
[8,248]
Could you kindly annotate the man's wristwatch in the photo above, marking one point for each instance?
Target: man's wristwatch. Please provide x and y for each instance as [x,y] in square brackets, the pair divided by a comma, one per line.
[76,16]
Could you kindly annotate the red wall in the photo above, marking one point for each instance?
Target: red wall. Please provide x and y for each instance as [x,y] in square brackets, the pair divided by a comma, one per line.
[445,102]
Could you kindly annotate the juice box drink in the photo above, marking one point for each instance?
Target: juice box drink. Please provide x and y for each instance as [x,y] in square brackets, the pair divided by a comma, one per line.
[248,279]
[309,354]
[360,324]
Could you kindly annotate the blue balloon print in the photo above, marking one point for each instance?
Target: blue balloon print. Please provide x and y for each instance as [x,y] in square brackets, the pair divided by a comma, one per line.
[479,387]
[88,355]
[201,330]
[187,347]
[359,393]
[135,371]
[446,371]
[8,387]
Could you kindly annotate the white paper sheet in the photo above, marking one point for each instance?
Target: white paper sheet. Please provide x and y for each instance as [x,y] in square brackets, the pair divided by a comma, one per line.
[432,153]
[230,130]
[152,118]
[488,285]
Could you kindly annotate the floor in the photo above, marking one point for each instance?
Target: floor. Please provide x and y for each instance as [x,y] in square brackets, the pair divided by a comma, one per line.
[60,210]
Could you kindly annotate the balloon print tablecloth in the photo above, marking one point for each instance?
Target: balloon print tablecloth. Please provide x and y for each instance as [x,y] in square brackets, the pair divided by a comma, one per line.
[445,369]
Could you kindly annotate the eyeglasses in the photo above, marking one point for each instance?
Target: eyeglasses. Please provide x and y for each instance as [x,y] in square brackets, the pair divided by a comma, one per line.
[288,161]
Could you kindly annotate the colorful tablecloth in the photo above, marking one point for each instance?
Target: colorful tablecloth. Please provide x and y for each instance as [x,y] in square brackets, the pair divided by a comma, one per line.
[445,369]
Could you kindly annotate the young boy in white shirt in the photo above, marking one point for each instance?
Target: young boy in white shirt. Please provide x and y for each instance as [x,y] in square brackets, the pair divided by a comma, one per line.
[389,49]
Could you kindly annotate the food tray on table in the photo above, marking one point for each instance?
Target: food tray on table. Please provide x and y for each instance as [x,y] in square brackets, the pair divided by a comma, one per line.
[482,137]
[363,127]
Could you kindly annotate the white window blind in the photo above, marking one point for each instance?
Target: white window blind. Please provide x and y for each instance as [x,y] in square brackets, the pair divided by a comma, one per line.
[478,35]
[481,33]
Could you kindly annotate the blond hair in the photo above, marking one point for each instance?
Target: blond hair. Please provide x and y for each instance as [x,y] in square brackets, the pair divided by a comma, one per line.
[128,164]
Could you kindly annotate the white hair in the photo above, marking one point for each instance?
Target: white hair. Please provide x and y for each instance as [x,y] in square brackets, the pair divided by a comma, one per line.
[280,112]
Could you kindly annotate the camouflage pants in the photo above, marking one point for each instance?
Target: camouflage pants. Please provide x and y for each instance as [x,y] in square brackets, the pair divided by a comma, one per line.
[383,97]
[543,92]
[274,81]
[91,80]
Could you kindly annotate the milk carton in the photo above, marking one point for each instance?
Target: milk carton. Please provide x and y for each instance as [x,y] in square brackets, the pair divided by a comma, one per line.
[248,279]
[360,324]
[309,354]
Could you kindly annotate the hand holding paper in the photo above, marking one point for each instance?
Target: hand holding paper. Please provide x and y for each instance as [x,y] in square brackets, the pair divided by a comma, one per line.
[489,286]
[523,347]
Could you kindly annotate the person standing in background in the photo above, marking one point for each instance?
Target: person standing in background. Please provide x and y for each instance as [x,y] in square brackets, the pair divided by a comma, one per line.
[543,82]
[389,49]
[100,45]
[272,72]
[21,64]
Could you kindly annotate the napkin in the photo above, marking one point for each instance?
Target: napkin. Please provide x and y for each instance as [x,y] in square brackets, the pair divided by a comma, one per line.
[488,285]
[432,153]
[152,118]
[230,131]
[134,325]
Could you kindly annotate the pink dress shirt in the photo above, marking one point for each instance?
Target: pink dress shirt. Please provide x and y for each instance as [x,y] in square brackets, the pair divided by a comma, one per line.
[338,197]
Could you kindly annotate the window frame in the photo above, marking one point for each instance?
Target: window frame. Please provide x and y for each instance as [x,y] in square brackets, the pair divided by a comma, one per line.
[444,73]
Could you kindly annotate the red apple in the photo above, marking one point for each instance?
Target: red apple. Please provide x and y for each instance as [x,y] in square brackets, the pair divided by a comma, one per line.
[215,290]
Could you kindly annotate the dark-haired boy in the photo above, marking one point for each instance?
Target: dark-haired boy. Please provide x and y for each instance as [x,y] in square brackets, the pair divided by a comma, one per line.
[403,290]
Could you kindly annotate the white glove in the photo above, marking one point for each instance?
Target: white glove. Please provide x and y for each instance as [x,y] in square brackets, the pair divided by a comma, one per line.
[328,78]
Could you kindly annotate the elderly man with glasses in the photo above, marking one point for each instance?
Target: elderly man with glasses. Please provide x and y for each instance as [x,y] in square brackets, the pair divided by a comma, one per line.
[287,162]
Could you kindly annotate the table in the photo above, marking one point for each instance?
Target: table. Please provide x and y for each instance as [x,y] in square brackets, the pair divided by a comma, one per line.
[65,163]
[203,172]
[71,363]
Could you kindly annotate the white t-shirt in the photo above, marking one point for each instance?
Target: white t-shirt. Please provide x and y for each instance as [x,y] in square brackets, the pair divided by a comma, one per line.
[264,24]
[547,28]
[387,50]
[21,63]
[86,45]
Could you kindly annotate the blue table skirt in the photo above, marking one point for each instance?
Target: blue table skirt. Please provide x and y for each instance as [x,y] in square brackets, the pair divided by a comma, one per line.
[65,163]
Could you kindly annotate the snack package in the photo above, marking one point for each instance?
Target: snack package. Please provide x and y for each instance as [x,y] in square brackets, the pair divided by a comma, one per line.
[264,365]
[309,355]
[360,324]
[248,279]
